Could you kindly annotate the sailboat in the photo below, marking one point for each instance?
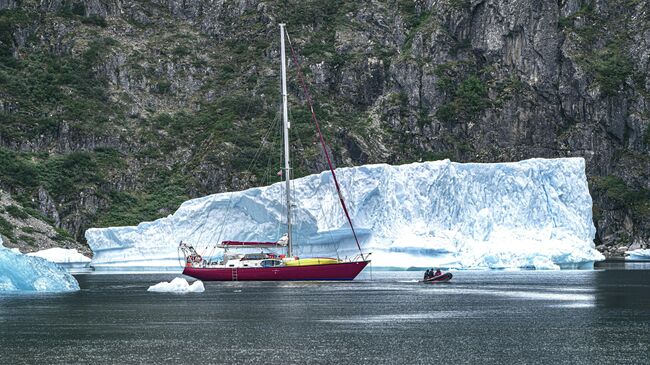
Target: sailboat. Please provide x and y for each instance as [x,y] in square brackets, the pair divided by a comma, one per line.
[269,265]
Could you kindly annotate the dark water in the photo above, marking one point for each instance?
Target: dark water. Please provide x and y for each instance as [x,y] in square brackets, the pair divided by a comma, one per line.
[480,317]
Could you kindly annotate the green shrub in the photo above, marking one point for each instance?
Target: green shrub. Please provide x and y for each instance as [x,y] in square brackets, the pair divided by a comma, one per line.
[29,230]
[9,20]
[180,51]
[163,87]
[36,214]
[468,100]
[16,212]
[27,239]
[6,229]
[447,113]
[615,189]
[72,9]
[17,171]
[94,20]
[585,13]
[62,235]
[460,4]
[611,67]
[472,95]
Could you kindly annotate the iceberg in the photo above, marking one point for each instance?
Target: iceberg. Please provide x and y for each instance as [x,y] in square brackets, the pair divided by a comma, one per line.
[535,213]
[638,254]
[178,285]
[70,259]
[20,272]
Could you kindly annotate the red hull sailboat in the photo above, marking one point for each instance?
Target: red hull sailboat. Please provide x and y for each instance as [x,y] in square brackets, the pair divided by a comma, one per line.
[269,265]
[336,271]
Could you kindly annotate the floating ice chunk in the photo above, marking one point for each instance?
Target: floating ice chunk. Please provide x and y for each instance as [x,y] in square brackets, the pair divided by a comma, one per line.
[178,285]
[20,272]
[638,254]
[68,258]
[531,214]
[61,256]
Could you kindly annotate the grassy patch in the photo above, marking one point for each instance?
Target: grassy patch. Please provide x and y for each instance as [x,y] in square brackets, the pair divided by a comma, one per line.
[36,214]
[27,239]
[29,230]
[16,212]
[6,229]
[604,38]
[467,101]
[131,208]
[611,68]
[63,176]
[10,19]
[76,10]
[615,189]
[62,235]
[460,4]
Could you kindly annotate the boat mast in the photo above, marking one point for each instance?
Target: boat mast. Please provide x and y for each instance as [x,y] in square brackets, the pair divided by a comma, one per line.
[286,126]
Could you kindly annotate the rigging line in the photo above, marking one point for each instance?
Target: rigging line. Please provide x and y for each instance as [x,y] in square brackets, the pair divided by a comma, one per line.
[270,171]
[269,129]
[257,155]
[271,168]
[322,141]
[320,206]
[207,216]
[202,250]
[293,184]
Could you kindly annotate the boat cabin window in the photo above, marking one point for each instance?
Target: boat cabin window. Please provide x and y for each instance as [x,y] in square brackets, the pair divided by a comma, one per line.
[271,263]
[254,256]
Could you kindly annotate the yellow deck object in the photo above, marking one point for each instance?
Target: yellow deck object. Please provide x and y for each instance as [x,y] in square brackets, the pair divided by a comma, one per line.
[311,261]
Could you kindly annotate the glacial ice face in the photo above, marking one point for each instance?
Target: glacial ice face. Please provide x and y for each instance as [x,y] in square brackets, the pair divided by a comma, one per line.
[20,272]
[532,214]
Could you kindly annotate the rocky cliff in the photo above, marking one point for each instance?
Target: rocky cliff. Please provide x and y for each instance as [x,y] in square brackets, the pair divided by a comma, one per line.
[113,112]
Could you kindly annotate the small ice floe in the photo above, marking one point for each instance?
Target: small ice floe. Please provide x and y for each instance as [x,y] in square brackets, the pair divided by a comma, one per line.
[178,285]
[638,254]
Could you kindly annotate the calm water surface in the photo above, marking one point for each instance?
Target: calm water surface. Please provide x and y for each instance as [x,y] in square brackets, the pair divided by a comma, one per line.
[385,317]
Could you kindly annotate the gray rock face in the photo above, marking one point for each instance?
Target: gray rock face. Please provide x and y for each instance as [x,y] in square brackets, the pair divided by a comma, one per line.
[479,80]
[20,229]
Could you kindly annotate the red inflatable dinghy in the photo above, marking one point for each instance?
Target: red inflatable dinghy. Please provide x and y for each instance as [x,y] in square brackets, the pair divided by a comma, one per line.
[443,278]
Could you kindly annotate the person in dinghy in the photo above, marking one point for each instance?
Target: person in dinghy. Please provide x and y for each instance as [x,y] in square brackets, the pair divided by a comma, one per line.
[437,276]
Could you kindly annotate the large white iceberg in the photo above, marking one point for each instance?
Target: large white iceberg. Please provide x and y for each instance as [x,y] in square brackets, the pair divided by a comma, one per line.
[178,285]
[70,259]
[532,214]
[20,272]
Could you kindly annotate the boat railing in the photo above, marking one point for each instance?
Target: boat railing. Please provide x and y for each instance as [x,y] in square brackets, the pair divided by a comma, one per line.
[359,257]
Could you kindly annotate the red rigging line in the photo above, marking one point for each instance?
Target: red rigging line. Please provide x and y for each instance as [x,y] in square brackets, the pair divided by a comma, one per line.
[322,142]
